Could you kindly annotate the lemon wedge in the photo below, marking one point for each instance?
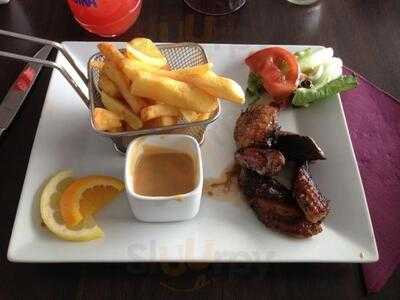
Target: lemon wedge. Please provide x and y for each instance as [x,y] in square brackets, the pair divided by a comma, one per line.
[51,215]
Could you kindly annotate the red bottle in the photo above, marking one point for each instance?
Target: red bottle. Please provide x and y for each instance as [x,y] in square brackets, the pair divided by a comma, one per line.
[106,17]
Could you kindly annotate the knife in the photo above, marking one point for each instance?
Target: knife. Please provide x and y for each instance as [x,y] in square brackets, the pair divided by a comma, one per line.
[16,95]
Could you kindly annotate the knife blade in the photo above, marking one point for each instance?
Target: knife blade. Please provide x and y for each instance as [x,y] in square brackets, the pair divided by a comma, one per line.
[16,95]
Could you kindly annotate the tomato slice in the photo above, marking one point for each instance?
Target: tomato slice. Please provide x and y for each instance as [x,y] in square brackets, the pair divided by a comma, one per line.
[278,68]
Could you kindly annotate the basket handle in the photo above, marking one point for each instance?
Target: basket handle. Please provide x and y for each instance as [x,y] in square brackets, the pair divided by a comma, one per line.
[47,63]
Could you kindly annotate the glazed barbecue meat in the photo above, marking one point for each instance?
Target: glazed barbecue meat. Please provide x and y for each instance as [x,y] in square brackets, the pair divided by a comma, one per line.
[311,201]
[297,147]
[263,161]
[254,185]
[274,206]
[263,152]
[284,216]
[256,125]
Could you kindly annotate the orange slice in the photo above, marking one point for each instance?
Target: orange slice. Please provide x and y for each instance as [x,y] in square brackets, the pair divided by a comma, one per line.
[51,216]
[86,196]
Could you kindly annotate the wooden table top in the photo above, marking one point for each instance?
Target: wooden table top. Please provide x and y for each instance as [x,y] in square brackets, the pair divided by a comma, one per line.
[365,34]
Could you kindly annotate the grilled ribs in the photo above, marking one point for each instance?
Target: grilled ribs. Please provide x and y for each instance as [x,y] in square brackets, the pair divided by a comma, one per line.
[263,161]
[263,152]
[256,125]
[274,205]
[254,185]
[297,147]
[284,216]
[311,201]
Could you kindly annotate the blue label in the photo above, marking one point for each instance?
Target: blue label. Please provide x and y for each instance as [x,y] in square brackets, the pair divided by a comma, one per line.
[87,3]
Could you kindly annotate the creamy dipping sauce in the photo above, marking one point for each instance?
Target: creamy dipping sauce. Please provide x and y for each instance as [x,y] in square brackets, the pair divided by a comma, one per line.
[163,172]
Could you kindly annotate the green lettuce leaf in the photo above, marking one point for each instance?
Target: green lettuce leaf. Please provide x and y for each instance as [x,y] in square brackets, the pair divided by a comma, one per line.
[304,97]
[255,88]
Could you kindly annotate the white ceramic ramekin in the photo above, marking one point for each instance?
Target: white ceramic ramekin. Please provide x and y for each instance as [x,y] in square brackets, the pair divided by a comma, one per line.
[171,208]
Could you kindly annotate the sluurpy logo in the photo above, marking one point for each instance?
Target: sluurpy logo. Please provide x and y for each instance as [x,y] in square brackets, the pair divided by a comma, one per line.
[87,3]
[189,277]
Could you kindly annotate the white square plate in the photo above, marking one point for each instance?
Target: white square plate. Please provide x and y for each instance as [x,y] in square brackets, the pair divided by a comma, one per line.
[223,231]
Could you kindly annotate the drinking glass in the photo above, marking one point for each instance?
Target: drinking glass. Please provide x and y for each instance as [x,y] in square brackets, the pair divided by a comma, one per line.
[107,18]
[303,2]
[215,7]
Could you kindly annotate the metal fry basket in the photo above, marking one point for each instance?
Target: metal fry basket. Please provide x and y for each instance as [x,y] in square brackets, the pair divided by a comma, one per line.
[179,56]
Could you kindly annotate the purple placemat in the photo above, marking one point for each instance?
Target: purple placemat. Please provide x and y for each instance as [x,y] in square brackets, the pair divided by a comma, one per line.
[373,118]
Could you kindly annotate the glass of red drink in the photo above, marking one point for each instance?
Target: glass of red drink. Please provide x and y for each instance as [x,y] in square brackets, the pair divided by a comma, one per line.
[106,17]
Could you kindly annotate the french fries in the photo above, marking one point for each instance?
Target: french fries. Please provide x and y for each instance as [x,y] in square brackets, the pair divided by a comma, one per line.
[130,66]
[138,89]
[160,122]
[108,86]
[218,86]
[157,111]
[189,115]
[203,117]
[122,110]
[196,70]
[106,120]
[147,47]
[111,53]
[192,116]
[172,92]
[145,51]
[116,76]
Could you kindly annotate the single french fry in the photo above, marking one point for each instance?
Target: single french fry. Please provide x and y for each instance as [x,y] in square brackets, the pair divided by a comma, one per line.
[167,121]
[189,115]
[171,92]
[115,130]
[120,80]
[157,111]
[218,86]
[135,64]
[156,61]
[160,122]
[196,70]
[203,117]
[131,65]
[122,110]
[146,46]
[151,102]
[108,86]
[106,120]
[111,53]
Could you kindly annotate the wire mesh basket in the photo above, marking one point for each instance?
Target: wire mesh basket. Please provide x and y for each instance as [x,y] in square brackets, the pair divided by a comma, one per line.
[182,55]
[178,56]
